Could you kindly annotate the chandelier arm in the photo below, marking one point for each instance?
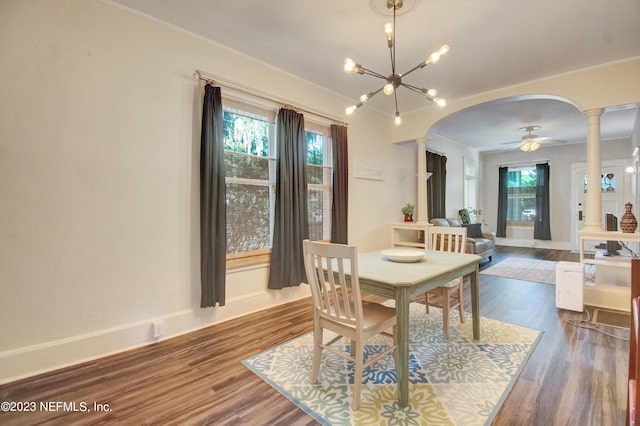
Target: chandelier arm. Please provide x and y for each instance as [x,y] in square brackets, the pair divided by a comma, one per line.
[413,89]
[392,48]
[395,95]
[393,59]
[372,73]
[420,65]
[375,92]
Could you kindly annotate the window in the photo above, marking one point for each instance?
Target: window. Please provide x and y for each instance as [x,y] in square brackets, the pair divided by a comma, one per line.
[319,172]
[521,195]
[250,182]
[250,165]
[469,189]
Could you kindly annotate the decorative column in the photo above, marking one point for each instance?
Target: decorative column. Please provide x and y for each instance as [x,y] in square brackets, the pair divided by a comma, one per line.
[593,220]
[421,199]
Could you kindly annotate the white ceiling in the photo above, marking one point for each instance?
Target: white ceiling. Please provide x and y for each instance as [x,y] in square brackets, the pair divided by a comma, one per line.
[494,44]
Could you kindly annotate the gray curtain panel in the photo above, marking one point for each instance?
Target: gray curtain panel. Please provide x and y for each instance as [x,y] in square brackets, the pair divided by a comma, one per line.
[291,224]
[436,185]
[340,203]
[503,182]
[542,225]
[213,219]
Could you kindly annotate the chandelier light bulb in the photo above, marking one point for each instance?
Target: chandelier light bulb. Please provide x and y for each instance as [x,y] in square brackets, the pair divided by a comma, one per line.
[398,119]
[432,93]
[388,89]
[388,30]
[441,102]
[350,109]
[364,98]
[443,50]
[349,65]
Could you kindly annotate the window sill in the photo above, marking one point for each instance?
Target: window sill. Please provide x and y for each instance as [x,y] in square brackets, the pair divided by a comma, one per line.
[523,223]
[249,258]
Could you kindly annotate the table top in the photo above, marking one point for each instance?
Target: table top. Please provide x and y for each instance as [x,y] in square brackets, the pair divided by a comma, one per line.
[374,266]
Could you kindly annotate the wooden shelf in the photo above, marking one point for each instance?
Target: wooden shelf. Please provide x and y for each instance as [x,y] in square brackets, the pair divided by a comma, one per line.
[408,234]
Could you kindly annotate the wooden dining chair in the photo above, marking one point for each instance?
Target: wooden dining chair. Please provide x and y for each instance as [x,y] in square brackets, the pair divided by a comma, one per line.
[332,273]
[454,240]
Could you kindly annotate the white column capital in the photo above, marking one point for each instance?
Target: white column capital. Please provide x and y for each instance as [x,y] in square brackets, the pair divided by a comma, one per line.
[592,113]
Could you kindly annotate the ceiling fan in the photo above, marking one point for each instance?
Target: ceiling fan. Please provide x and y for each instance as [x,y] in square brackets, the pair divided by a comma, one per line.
[531,142]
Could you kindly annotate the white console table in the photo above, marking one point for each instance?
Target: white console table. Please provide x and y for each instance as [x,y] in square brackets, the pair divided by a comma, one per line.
[611,287]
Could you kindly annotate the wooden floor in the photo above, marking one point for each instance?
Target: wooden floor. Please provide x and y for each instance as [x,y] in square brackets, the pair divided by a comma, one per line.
[574,377]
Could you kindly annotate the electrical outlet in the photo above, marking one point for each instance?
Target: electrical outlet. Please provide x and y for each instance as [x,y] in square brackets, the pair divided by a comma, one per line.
[158,329]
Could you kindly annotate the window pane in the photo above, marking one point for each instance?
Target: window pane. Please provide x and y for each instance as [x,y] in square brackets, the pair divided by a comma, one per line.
[315,208]
[247,217]
[314,174]
[315,153]
[246,135]
[244,166]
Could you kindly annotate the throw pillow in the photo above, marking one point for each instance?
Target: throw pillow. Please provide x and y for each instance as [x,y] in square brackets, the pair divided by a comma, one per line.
[474,230]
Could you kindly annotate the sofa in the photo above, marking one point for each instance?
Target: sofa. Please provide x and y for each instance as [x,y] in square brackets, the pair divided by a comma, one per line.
[481,243]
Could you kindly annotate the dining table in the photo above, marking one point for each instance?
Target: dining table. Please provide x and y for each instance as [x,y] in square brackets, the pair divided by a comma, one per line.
[401,281]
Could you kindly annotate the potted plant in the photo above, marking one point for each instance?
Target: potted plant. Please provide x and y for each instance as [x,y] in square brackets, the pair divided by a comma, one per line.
[407,211]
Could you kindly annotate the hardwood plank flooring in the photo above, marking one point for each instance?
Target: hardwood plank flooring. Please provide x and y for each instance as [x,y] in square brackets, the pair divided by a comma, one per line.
[574,377]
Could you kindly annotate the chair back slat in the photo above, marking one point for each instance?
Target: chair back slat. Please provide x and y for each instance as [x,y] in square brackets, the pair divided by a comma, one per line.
[334,295]
[447,238]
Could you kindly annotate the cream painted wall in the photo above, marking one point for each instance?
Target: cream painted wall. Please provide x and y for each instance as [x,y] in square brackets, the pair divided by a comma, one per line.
[375,204]
[99,148]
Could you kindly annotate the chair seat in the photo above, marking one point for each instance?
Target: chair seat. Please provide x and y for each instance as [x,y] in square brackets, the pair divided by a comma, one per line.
[373,314]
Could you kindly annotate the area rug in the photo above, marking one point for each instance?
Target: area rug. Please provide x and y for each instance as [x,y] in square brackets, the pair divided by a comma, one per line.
[452,382]
[520,268]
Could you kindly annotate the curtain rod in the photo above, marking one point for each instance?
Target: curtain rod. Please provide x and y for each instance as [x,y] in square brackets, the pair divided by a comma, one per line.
[520,163]
[209,78]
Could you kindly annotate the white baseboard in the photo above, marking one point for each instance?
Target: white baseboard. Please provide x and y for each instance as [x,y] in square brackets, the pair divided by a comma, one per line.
[553,245]
[40,358]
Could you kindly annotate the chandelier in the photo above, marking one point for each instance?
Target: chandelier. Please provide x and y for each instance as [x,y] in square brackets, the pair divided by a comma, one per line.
[530,141]
[394,80]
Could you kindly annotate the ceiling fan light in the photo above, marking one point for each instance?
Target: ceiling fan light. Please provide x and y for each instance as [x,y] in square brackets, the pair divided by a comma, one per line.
[534,146]
[525,147]
[388,89]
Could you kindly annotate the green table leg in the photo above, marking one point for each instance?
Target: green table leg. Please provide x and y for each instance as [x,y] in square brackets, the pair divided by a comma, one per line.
[475,303]
[402,367]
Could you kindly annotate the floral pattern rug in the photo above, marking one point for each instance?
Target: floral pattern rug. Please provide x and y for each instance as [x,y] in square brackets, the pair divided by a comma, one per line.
[520,268]
[452,382]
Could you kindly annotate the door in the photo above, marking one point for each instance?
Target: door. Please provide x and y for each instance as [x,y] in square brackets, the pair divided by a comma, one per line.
[615,190]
